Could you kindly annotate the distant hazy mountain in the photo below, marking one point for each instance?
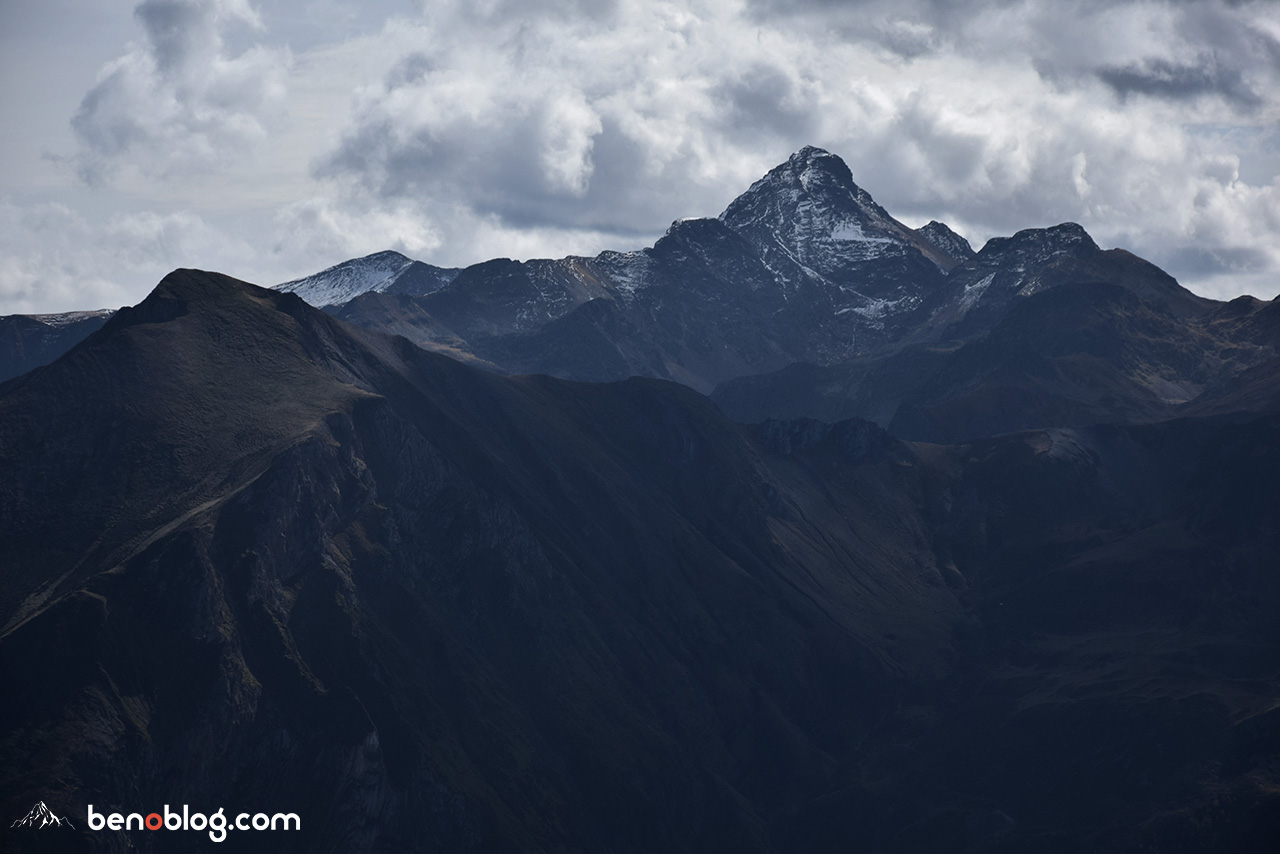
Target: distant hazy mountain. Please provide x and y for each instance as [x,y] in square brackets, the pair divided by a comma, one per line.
[30,340]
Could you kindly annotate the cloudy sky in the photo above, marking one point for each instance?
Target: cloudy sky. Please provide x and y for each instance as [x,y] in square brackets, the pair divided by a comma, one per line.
[269,139]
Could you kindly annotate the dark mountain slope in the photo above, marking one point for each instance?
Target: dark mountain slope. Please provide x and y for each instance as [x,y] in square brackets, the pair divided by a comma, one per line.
[1124,654]
[30,340]
[1074,354]
[1034,260]
[266,560]
[259,559]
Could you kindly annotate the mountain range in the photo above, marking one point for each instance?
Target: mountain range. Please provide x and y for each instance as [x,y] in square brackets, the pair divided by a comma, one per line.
[805,298]
[28,341]
[965,551]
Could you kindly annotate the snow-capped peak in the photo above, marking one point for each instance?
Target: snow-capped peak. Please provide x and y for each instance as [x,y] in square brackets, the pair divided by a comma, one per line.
[375,273]
[809,211]
[343,282]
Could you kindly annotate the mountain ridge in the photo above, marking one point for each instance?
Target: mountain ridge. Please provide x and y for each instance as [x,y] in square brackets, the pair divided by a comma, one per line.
[268,558]
[804,267]
[241,522]
[382,272]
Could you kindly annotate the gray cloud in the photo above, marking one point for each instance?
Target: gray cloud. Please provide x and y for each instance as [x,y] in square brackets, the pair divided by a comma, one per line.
[176,30]
[995,115]
[1208,261]
[176,102]
[764,103]
[458,130]
[53,258]
[1165,79]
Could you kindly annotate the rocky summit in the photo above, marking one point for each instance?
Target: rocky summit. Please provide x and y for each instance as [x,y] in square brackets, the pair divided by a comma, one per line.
[803,267]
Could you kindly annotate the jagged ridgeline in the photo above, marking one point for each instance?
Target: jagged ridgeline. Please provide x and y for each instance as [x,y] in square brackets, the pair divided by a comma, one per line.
[805,298]
[260,558]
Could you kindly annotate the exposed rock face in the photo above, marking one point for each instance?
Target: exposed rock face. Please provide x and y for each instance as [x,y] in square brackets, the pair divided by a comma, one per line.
[941,236]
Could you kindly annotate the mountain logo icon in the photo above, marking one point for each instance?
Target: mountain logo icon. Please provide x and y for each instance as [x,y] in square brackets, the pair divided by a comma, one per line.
[40,817]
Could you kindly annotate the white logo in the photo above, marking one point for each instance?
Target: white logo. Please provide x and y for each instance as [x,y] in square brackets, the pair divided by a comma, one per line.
[40,816]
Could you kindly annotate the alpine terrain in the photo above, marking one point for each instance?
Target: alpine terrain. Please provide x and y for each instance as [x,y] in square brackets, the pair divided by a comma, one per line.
[924,549]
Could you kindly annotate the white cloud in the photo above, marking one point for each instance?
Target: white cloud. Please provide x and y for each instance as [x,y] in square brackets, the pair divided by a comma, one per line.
[321,233]
[177,102]
[54,259]
[998,116]
[502,128]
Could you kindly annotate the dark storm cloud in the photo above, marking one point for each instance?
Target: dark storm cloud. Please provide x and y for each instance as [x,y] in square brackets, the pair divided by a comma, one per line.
[489,166]
[174,29]
[1164,79]
[494,170]
[494,159]
[103,123]
[543,126]
[764,101]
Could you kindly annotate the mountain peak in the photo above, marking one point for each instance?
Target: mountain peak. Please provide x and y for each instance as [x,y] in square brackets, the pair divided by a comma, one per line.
[808,219]
[174,295]
[810,152]
[941,236]
[1056,239]
[189,284]
[811,198]
[381,272]
[389,257]
[810,170]
[811,158]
